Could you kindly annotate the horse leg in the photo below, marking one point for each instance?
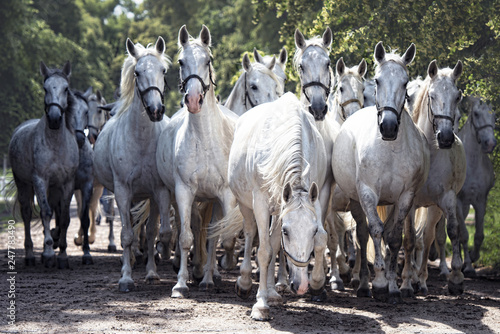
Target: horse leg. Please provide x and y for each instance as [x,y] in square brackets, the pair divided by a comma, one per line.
[65,201]
[441,245]
[25,197]
[462,211]
[244,281]
[110,221]
[341,259]
[165,235]
[317,283]
[409,247]
[185,200]
[176,262]
[336,282]
[152,276]
[362,235]
[209,261]
[429,235]
[124,201]
[480,208]
[200,219]
[229,259]
[78,239]
[376,226]
[282,283]
[86,193]
[48,255]
[273,297]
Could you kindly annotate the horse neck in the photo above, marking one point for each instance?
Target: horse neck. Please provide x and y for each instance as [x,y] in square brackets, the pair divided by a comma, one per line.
[210,122]
[335,108]
[57,136]
[236,100]
[138,122]
[468,136]
[424,122]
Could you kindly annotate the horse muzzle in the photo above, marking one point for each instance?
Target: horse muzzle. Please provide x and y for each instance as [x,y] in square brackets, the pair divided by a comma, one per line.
[156,113]
[193,102]
[54,118]
[319,111]
[80,138]
[445,138]
[388,126]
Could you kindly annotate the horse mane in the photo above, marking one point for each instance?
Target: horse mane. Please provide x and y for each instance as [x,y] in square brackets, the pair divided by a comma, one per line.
[315,41]
[285,162]
[127,82]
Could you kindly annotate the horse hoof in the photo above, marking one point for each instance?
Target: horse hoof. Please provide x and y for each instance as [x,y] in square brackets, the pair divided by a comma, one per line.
[339,286]
[29,261]
[204,286]
[217,280]
[363,293]
[111,249]
[87,259]
[152,279]
[455,289]
[49,261]
[416,286]
[63,263]
[77,240]
[380,294]
[126,286]
[407,293]
[260,313]
[196,279]
[355,283]
[281,287]
[346,278]
[470,273]
[318,295]
[242,293]
[180,292]
[423,291]
[395,298]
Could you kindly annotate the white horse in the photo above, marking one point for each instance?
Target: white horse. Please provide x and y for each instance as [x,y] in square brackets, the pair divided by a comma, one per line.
[412,90]
[369,93]
[381,158]
[193,150]
[275,168]
[435,113]
[256,85]
[279,67]
[478,138]
[126,147]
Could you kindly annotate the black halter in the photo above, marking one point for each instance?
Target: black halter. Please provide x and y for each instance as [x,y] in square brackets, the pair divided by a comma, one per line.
[182,85]
[317,83]
[292,259]
[434,116]
[477,129]
[246,94]
[143,92]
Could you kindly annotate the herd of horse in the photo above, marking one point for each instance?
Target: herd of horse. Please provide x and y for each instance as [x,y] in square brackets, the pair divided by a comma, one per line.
[352,159]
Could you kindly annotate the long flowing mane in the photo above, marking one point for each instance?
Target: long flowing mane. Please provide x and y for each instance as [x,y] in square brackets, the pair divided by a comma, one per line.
[285,163]
[127,83]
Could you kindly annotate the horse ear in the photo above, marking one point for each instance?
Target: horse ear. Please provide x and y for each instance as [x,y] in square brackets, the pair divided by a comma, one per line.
[272,63]
[287,192]
[247,66]
[44,70]
[327,38]
[98,95]
[362,68]
[300,41]
[340,67]
[183,36]
[160,45]
[283,57]
[131,47]
[409,54]
[379,54]
[67,69]
[313,192]
[432,70]
[88,92]
[205,36]
[457,70]
[256,55]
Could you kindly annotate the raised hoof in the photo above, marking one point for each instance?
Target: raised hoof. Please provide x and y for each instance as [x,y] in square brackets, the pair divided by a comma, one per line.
[217,280]
[455,289]
[206,286]
[180,292]
[152,279]
[363,293]
[242,293]
[227,265]
[318,295]
[111,249]
[126,286]
[380,294]
[355,283]
[29,261]
[260,313]
[77,240]
[87,259]
[395,298]
[63,263]
[49,261]
[281,287]
[346,278]
[163,250]
[338,286]
[470,273]
[407,293]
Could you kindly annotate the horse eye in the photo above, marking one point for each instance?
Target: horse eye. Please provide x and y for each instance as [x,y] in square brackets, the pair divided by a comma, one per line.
[341,89]
[301,68]
[376,82]
[164,70]
[136,74]
[253,87]
[181,63]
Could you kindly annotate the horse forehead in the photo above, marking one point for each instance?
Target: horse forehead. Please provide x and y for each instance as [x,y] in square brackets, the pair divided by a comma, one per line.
[314,53]
[392,69]
[55,81]
[443,85]
[194,53]
[148,63]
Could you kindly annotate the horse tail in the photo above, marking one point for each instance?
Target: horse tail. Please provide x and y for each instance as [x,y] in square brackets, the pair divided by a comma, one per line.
[205,209]
[228,227]
[14,206]
[140,214]
[382,212]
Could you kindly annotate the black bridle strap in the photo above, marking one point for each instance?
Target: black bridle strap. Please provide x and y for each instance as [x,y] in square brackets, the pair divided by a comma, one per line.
[53,104]
[183,84]
[291,258]
[345,103]
[316,83]
[477,129]
[434,116]
[246,94]
[394,111]
[143,92]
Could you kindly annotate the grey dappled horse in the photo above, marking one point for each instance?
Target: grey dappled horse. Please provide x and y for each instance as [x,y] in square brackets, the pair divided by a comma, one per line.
[44,158]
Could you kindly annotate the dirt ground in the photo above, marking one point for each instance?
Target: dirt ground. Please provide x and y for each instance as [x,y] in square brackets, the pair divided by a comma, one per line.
[86,299]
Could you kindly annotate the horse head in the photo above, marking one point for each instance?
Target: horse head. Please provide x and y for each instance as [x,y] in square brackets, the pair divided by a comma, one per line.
[482,119]
[196,71]
[149,73]
[391,78]
[97,116]
[349,87]
[80,115]
[298,230]
[56,86]
[313,64]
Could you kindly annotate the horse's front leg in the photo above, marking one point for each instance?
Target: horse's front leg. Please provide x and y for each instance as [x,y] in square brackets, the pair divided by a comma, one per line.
[361,270]
[448,204]
[25,197]
[244,281]
[184,198]
[317,282]
[48,255]
[123,199]
[273,297]
[480,208]
[152,276]
[163,198]
[67,194]
[85,221]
